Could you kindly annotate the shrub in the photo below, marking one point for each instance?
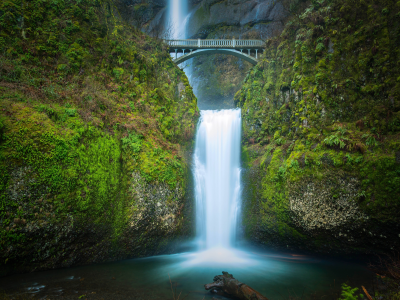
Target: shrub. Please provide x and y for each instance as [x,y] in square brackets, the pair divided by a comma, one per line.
[118,72]
[133,142]
[349,294]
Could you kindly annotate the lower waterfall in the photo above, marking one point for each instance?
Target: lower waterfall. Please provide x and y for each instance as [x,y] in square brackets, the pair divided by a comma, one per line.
[217,177]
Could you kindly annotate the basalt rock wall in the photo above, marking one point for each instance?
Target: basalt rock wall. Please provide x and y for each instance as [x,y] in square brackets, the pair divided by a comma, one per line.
[321,132]
[96,131]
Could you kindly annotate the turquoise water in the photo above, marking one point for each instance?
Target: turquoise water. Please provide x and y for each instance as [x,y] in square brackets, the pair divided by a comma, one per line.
[277,276]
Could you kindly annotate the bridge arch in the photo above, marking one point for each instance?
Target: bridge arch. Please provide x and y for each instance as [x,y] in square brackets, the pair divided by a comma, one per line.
[236,53]
[196,47]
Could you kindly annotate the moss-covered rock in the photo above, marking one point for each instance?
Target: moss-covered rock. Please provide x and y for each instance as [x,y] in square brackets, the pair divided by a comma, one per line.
[321,127]
[94,137]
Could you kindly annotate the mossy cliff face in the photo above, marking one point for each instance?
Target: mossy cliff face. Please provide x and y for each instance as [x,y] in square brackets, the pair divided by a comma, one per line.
[321,131]
[96,124]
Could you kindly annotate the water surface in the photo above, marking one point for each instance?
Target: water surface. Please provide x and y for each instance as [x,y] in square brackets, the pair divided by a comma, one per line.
[277,276]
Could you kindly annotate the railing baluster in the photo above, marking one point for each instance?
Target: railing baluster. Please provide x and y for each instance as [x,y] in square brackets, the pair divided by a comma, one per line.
[217,43]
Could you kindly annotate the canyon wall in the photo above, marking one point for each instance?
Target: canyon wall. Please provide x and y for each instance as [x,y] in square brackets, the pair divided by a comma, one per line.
[96,132]
[321,132]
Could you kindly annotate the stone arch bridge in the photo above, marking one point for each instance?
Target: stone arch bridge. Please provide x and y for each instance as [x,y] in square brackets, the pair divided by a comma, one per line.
[195,47]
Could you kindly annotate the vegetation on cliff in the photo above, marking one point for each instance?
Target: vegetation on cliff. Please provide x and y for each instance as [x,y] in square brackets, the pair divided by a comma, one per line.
[321,118]
[95,120]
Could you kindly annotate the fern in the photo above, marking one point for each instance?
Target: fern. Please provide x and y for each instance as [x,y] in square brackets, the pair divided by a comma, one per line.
[371,141]
[338,138]
[349,294]
[334,140]
[133,142]
[280,141]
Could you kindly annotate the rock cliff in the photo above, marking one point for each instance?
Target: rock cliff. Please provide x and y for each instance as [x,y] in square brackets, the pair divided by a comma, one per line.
[321,138]
[96,128]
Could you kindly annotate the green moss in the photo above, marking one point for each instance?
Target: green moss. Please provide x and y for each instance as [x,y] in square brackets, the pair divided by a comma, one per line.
[86,101]
[338,117]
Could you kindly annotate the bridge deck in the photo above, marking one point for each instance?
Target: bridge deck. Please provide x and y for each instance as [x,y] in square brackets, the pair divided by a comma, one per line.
[198,47]
[194,44]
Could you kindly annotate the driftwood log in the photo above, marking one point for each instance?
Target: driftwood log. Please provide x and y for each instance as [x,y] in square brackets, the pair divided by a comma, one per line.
[226,285]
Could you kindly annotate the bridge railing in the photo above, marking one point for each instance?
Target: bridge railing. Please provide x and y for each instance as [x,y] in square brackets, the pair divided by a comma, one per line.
[199,43]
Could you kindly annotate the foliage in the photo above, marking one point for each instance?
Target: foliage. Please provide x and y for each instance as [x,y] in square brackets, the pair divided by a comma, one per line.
[86,100]
[349,293]
[133,141]
[324,103]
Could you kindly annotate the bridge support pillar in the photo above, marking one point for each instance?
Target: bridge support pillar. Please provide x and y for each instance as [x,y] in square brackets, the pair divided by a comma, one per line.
[176,53]
[248,51]
[241,50]
[256,52]
[191,50]
[183,51]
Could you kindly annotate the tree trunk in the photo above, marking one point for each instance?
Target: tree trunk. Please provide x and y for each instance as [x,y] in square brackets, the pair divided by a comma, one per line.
[228,286]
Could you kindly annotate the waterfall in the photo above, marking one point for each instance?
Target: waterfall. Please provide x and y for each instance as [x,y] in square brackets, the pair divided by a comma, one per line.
[176,24]
[175,21]
[217,177]
[216,159]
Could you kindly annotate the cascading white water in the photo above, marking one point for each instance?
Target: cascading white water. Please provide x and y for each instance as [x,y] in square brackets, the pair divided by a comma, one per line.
[216,159]
[217,177]
[175,21]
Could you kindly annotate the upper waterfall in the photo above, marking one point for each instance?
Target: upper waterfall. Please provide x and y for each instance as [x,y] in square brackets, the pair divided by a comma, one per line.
[176,18]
